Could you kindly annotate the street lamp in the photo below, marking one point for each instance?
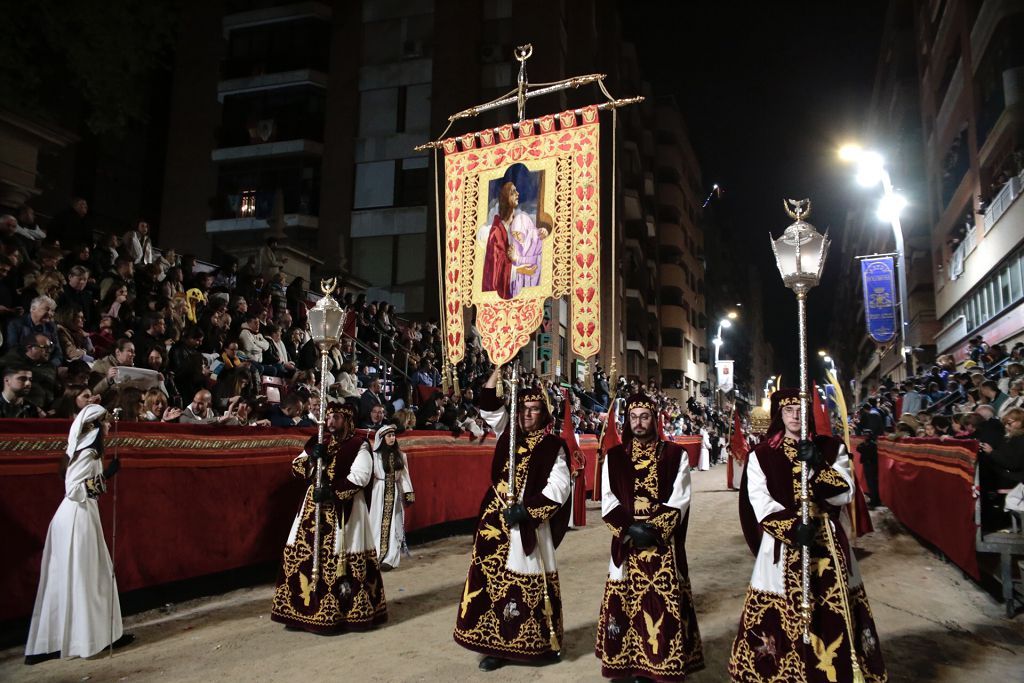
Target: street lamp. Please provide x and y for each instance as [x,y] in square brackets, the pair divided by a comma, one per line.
[724,323]
[870,172]
[800,255]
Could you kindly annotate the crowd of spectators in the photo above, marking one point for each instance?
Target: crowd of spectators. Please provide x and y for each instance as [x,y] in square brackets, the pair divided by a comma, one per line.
[107,317]
[981,400]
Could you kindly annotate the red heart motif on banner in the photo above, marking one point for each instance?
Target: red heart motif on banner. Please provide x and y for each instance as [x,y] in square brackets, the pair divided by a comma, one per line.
[585,193]
[454,245]
[579,260]
[590,329]
[453,275]
[454,338]
[584,160]
[454,185]
[453,307]
[590,260]
[579,328]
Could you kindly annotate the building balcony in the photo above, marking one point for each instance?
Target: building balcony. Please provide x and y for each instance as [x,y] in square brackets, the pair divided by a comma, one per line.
[670,194]
[672,275]
[291,220]
[648,184]
[635,297]
[268,150]
[978,255]
[1000,204]
[671,235]
[673,358]
[635,346]
[632,209]
[272,81]
[275,15]
[674,317]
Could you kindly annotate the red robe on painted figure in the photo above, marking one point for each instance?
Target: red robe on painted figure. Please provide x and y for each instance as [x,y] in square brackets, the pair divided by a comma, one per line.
[497,265]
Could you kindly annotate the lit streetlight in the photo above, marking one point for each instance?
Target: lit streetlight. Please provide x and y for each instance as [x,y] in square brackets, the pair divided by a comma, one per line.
[724,323]
[870,172]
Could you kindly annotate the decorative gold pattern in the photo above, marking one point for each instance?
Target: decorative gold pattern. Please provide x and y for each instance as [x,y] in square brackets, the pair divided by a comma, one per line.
[655,574]
[387,513]
[832,478]
[561,281]
[570,153]
[791,667]
[542,512]
[367,604]
[778,528]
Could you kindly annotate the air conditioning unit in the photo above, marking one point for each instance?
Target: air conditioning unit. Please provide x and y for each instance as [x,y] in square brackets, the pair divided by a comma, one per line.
[492,54]
[412,49]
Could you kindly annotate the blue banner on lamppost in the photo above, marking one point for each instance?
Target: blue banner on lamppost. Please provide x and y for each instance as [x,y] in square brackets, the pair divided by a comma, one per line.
[879,303]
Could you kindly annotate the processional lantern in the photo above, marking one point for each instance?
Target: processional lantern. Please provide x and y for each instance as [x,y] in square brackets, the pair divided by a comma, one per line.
[800,252]
[800,256]
[326,321]
[326,318]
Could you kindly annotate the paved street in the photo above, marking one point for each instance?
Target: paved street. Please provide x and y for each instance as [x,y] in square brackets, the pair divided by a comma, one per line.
[933,624]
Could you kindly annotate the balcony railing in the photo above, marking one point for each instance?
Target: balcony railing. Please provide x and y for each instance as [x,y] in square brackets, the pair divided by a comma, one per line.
[956,262]
[1001,202]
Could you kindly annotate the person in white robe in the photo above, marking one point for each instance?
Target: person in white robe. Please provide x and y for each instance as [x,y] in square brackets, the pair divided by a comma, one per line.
[390,494]
[705,450]
[77,612]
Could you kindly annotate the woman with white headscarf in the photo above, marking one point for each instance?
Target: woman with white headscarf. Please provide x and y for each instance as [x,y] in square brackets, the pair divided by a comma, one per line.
[390,494]
[77,612]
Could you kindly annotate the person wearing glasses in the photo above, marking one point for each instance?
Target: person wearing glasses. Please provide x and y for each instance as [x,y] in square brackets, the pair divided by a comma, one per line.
[17,385]
[34,355]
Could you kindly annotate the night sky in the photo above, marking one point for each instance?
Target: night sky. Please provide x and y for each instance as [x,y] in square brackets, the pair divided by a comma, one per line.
[769,91]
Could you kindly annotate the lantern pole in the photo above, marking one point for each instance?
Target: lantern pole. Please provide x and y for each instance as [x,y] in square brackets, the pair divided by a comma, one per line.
[326,339]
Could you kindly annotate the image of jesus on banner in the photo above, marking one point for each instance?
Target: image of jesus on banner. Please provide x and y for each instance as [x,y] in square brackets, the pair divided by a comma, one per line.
[512,259]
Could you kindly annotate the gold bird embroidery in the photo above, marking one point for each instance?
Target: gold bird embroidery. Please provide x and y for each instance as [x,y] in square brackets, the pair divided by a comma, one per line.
[490,533]
[653,628]
[824,564]
[643,464]
[306,588]
[825,656]
[467,597]
[647,555]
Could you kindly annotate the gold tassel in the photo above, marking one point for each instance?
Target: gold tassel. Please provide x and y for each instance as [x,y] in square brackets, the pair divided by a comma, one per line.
[549,611]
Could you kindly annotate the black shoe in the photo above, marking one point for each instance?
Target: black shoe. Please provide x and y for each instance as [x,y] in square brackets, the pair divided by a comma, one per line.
[551,658]
[124,641]
[492,663]
[31,660]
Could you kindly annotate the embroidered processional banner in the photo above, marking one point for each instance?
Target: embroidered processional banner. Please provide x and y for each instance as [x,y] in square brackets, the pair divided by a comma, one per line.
[523,225]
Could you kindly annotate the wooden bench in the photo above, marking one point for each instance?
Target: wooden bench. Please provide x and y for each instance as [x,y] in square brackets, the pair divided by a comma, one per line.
[1008,544]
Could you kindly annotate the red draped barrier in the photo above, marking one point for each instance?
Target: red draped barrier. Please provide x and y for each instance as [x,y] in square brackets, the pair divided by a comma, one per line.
[196,500]
[692,446]
[929,486]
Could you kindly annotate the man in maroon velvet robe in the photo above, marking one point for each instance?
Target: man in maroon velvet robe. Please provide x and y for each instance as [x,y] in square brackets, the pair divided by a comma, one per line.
[769,645]
[498,255]
[648,627]
[349,592]
[511,605]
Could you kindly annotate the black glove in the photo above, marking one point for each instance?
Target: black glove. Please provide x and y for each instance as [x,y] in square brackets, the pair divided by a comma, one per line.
[514,514]
[113,467]
[806,533]
[320,451]
[809,453]
[322,494]
[642,535]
